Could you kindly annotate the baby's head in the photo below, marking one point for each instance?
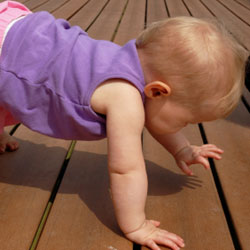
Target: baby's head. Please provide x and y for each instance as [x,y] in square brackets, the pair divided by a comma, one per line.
[199,62]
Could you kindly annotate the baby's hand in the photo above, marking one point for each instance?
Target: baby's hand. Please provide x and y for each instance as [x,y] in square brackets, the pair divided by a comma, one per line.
[149,235]
[195,154]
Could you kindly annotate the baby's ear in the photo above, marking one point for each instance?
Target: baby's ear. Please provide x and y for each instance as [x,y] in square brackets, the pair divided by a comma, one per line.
[157,89]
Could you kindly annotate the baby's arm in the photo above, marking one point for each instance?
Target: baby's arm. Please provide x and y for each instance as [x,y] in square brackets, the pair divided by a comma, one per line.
[125,121]
[186,154]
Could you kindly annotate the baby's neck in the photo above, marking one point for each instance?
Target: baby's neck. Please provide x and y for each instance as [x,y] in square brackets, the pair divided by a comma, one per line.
[148,75]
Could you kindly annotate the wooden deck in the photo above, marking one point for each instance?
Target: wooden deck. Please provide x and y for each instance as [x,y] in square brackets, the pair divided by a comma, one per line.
[54,195]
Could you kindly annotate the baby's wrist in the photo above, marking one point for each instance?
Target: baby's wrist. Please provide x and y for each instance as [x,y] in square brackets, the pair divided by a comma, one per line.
[134,225]
[127,233]
[175,155]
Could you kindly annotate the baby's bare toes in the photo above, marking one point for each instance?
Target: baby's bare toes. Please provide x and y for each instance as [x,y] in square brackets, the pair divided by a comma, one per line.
[2,148]
[12,145]
[7,142]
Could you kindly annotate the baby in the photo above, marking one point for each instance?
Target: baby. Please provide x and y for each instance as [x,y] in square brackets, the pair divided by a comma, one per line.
[58,81]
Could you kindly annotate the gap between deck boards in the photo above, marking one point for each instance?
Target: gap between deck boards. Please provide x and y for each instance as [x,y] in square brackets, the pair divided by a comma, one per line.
[221,194]
[54,192]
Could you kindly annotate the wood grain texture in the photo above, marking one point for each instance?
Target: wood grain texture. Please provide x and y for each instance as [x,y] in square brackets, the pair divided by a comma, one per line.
[50,5]
[70,8]
[187,206]
[156,11]
[132,22]
[233,135]
[107,22]
[82,216]
[27,177]
[239,28]
[87,15]
[176,8]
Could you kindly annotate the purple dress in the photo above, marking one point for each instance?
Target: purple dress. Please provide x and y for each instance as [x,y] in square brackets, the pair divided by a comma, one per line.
[49,71]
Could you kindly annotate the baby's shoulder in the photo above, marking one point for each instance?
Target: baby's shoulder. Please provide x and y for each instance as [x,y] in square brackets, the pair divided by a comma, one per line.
[116,94]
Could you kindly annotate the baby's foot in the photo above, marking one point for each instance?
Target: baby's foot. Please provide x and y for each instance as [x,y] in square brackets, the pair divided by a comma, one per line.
[7,142]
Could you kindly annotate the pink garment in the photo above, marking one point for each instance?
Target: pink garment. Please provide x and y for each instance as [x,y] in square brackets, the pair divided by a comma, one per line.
[9,11]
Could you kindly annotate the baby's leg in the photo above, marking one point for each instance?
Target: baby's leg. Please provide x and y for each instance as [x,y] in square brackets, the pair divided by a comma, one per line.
[7,142]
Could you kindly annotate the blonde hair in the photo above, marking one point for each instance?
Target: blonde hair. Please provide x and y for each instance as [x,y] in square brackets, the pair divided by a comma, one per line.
[199,59]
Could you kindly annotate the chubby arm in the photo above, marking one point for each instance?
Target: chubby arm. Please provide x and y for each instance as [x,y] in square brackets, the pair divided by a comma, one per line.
[125,121]
[186,154]
[128,178]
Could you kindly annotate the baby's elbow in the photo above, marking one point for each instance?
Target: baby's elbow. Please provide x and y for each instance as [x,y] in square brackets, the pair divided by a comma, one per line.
[126,168]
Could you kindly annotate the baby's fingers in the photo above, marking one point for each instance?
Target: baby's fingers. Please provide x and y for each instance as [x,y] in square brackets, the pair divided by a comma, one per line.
[152,245]
[174,237]
[203,161]
[167,239]
[164,242]
[184,167]
[209,154]
[212,148]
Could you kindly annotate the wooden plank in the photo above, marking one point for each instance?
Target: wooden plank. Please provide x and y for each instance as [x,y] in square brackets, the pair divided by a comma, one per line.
[233,135]
[240,11]
[21,1]
[69,9]
[244,3]
[176,8]
[234,24]
[106,23]
[86,16]
[156,11]
[187,206]
[50,6]
[33,4]
[197,9]
[27,177]
[132,22]
[82,216]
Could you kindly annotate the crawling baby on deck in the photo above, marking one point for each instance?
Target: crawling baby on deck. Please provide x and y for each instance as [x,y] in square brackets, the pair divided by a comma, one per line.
[58,81]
